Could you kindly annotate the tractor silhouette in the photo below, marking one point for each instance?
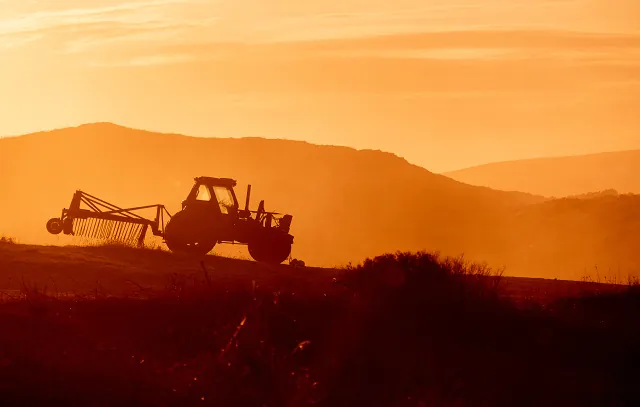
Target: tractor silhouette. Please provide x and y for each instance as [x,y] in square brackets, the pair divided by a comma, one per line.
[210,215]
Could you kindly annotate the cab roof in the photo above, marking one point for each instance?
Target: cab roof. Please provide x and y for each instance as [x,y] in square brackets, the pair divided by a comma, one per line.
[224,182]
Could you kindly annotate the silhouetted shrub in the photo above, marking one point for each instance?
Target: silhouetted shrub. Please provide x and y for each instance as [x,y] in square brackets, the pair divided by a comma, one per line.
[6,240]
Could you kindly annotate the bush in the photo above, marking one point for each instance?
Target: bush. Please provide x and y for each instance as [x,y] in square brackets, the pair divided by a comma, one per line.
[7,240]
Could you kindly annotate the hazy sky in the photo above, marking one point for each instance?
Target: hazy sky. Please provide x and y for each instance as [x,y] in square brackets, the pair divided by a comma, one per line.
[444,83]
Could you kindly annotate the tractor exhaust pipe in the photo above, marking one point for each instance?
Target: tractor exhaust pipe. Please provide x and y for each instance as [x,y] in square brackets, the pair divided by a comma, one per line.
[246,204]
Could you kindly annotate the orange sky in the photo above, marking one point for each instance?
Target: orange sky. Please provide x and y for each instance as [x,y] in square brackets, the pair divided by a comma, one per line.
[444,83]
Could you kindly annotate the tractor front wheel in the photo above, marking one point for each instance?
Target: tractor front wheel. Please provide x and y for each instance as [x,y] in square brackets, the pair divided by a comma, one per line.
[270,251]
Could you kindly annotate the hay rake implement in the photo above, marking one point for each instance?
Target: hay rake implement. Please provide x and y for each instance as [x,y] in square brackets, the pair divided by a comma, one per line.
[94,218]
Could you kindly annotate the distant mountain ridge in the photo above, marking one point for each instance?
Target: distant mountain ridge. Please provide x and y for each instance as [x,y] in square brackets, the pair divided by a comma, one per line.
[347,204]
[598,194]
[559,176]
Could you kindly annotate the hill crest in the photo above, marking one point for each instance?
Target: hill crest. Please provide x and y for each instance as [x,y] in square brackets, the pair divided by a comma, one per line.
[559,176]
[347,204]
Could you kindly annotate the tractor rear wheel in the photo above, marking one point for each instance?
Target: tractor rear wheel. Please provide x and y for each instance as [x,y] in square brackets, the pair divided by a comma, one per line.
[270,251]
[190,232]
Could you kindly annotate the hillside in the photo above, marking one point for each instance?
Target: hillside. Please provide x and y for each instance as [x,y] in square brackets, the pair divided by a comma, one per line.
[146,327]
[347,204]
[559,176]
[116,271]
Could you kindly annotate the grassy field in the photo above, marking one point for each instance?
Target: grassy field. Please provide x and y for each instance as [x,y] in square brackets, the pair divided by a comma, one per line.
[119,326]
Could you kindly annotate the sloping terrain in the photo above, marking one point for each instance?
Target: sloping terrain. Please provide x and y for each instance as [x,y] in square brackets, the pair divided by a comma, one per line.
[347,204]
[117,271]
[559,176]
[127,326]
[121,271]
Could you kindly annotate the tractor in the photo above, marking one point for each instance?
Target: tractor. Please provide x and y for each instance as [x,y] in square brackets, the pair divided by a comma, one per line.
[210,215]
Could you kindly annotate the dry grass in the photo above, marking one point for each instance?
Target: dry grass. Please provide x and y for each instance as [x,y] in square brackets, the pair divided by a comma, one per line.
[7,240]
[403,329]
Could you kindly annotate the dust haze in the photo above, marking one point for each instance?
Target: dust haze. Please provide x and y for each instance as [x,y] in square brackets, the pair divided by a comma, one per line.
[347,204]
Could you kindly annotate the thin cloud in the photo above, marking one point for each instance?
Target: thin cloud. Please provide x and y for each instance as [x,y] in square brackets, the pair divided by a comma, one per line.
[374,75]
[104,34]
[125,12]
[142,61]
[534,48]
[155,29]
[453,45]
[159,60]
[467,40]
[79,30]
[12,42]
[484,39]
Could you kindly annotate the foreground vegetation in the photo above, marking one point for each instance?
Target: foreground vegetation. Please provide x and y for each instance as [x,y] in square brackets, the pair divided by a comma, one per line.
[405,329]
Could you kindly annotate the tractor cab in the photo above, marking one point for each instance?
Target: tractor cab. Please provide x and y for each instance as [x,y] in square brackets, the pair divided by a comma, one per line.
[213,194]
